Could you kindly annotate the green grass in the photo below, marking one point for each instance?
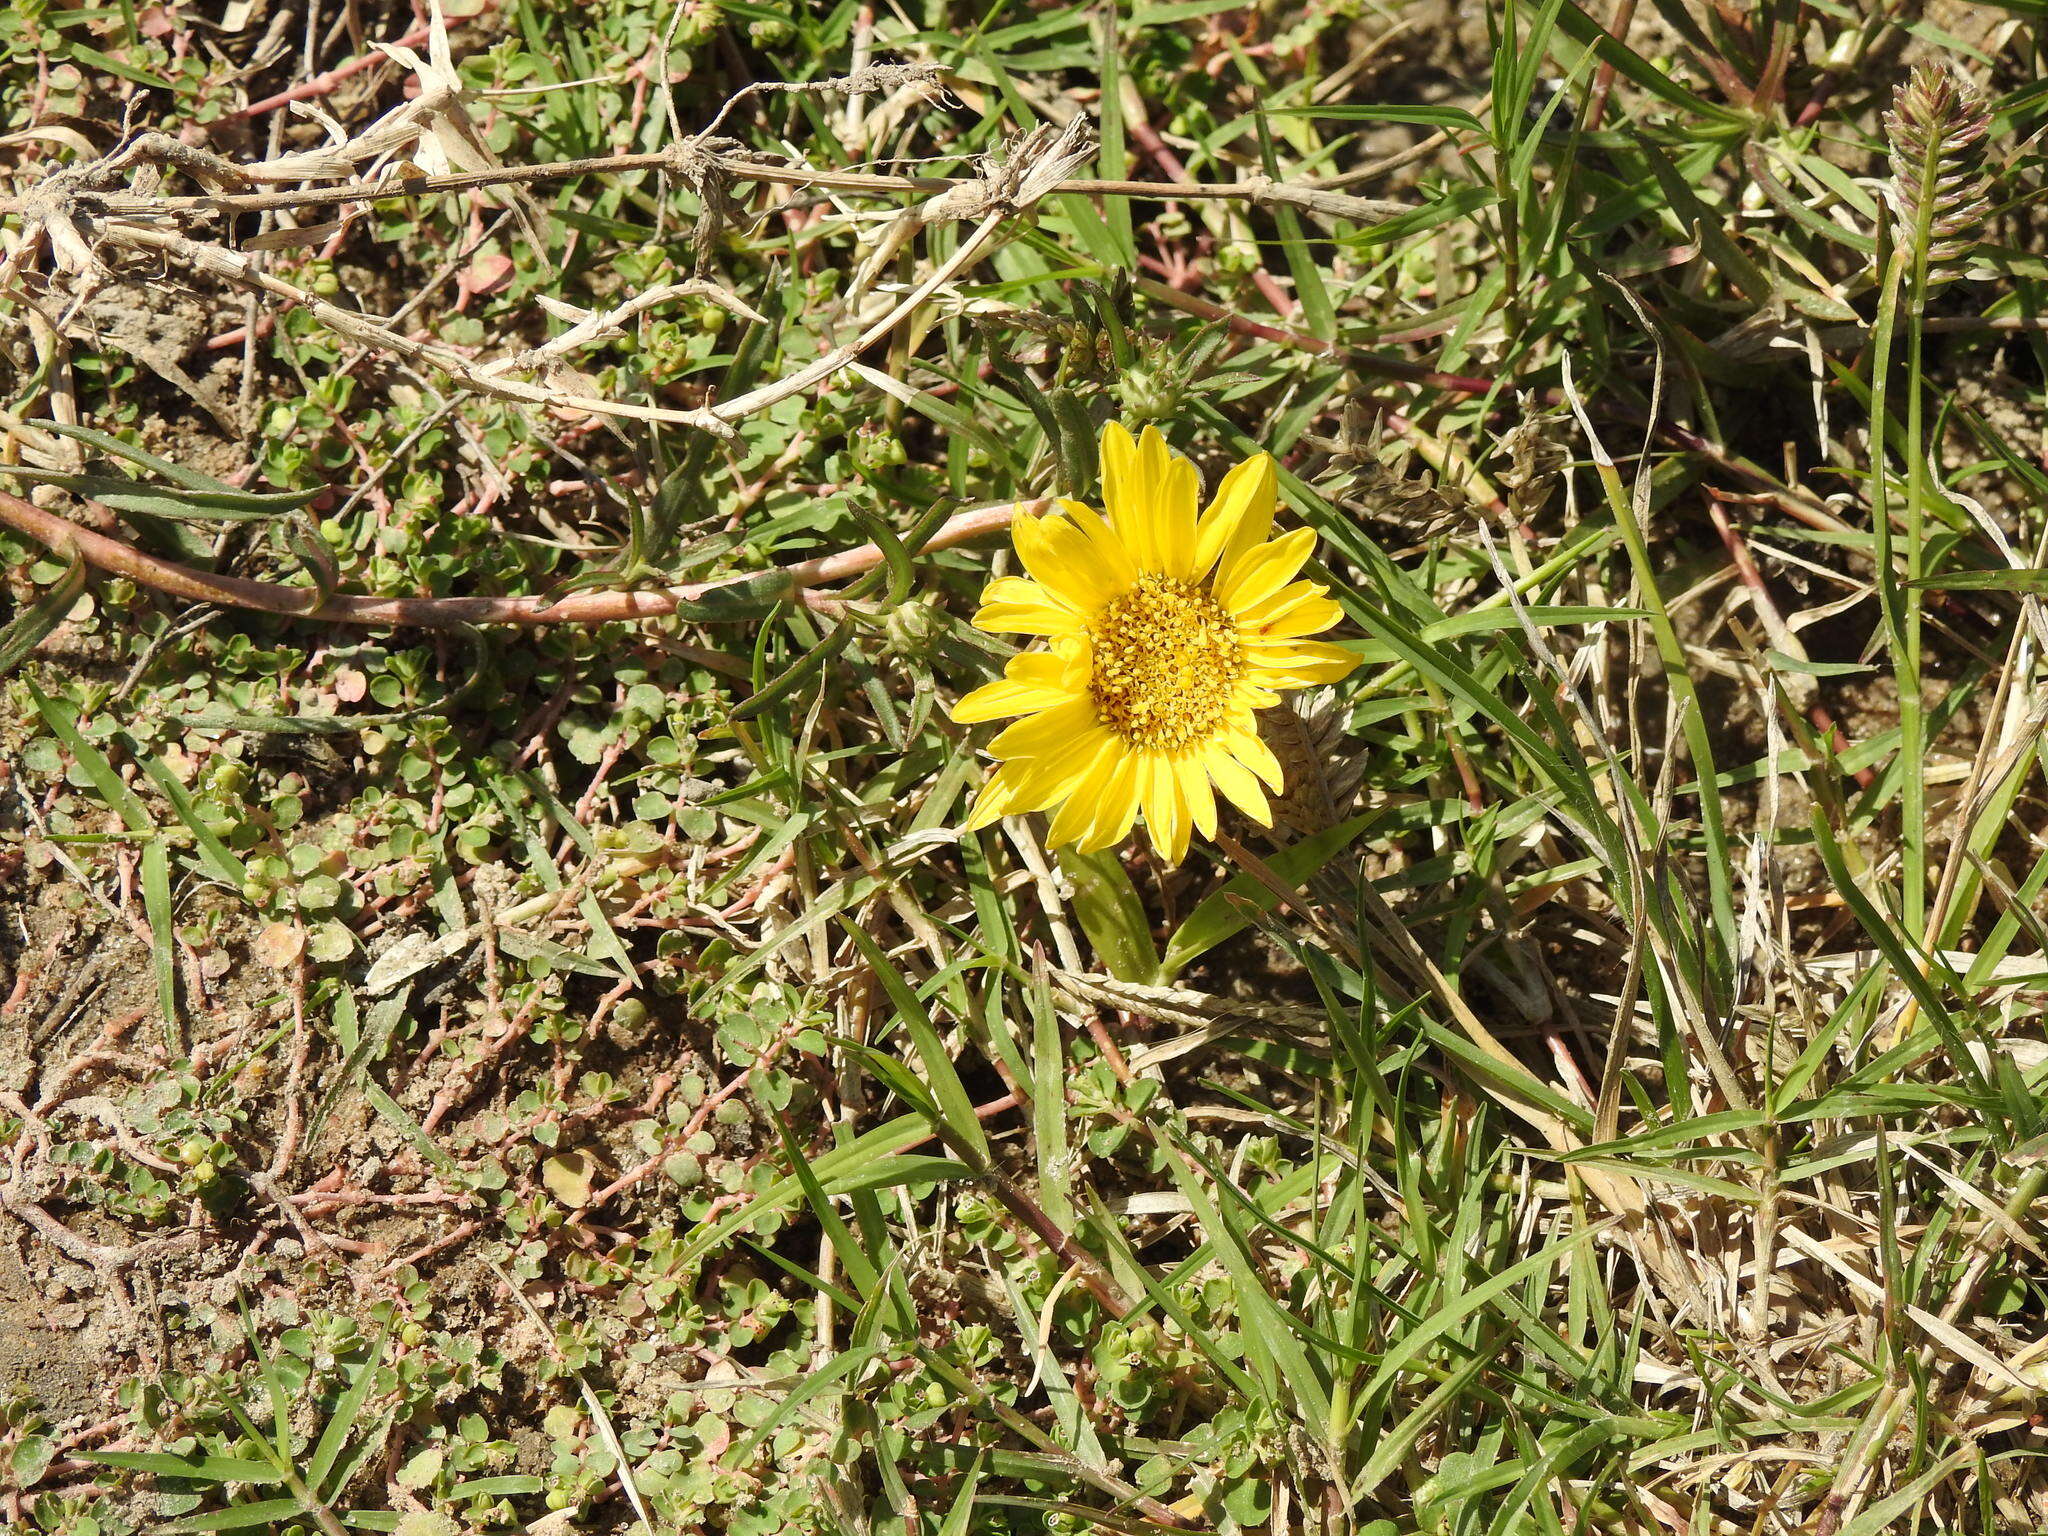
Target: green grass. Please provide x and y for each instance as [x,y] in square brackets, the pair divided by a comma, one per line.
[579,1071]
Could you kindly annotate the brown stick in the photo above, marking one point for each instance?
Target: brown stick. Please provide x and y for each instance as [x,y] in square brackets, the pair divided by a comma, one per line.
[439,612]
[1311,196]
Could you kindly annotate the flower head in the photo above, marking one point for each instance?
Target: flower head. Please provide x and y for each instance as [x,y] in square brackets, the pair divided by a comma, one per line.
[1165,633]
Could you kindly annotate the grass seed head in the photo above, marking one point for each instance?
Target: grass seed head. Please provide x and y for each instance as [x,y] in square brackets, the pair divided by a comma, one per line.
[1934,133]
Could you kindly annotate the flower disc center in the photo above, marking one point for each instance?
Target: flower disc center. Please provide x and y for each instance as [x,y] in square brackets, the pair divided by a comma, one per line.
[1166,656]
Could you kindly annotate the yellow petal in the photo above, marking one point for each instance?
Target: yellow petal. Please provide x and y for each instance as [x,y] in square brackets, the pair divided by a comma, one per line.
[1239,784]
[1083,806]
[1262,571]
[1297,663]
[1166,817]
[1193,775]
[1043,782]
[1012,605]
[1245,746]
[1288,601]
[1059,731]
[1247,699]
[1117,806]
[1035,680]
[1120,486]
[994,801]
[1065,561]
[1239,516]
[1106,544]
[1150,494]
[1311,616]
[1027,784]
[1176,493]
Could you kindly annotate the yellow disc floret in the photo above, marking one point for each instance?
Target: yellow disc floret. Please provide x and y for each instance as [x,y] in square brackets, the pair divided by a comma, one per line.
[1166,657]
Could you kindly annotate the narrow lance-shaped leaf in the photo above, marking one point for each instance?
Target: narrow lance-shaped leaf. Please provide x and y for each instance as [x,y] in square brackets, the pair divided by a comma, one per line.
[29,628]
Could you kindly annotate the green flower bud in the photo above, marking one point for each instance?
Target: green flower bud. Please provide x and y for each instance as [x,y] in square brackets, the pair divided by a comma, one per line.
[876,450]
[1150,393]
[913,627]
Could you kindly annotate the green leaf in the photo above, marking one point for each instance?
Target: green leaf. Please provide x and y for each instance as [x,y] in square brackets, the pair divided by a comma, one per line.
[282,725]
[955,1107]
[1410,1345]
[2033,582]
[1483,621]
[812,662]
[1227,912]
[113,66]
[1110,913]
[960,1518]
[92,437]
[30,1458]
[737,602]
[818,1381]
[1590,31]
[1318,311]
[163,939]
[1892,944]
[1459,204]
[342,1422]
[1390,1450]
[1270,1343]
[944,413]
[214,856]
[268,1512]
[1376,112]
[120,799]
[1222,1359]
[507,1486]
[527,946]
[861,1271]
[29,628]
[198,1469]
[1507,1076]
[175,503]
[1784,663]
[1903,1502]
[870,1161]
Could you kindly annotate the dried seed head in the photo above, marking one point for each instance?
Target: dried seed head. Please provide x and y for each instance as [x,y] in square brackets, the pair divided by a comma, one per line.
[1934,129]
[1536,453]
[1321,768]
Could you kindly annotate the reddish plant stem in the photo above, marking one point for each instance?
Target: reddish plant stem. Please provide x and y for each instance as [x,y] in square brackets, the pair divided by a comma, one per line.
[702,1117]
[1148,139]
[1269,287]
[1603,78]
[1832,78]
[440,1244]
[121,559]
[321,85]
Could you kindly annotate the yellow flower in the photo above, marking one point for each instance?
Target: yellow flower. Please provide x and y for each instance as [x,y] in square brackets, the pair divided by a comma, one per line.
[1166,633]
